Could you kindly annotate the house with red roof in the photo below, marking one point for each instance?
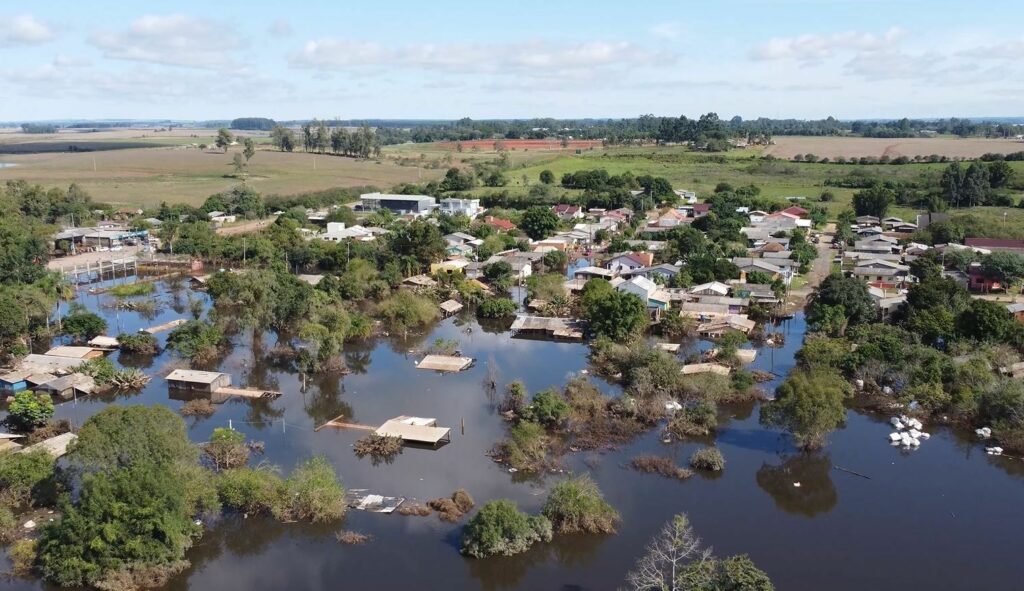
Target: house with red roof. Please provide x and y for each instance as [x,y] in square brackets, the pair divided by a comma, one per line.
[499,224]
[701,209]
[568,212]
[1016,246]
[796,211]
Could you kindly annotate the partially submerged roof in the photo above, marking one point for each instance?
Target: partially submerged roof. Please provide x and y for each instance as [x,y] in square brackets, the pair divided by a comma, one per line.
[715,368]
[75,352]
[194,376]
[48,363]
[445,363]
[104,341]
[414,429]
[450,306]
[55,446]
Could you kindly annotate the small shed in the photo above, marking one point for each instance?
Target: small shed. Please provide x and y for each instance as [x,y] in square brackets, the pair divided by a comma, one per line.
[83,353]
[450,307]
[69,386]
[420,281]
[313,280]
[201,381]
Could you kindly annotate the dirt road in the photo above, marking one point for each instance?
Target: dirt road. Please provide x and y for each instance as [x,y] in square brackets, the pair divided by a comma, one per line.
[246,227]
[820,269]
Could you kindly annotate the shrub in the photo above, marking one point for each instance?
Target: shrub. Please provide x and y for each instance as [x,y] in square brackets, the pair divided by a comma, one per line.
[500,528]
[379,447]
[127,290]
[708,458]
[138,343]
[315,491]
[577,505]
[548,408]
[23,556]
[691,421]
[195,340]
[413,509]
[226,449]
[452,508]
[26,478]
[496,308]
[83,325]
[351,538]
[28,411]
[652,464]
[8,524]
[252,490]
[525,448]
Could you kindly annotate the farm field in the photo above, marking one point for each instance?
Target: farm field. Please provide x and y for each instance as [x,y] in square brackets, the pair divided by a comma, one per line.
[148,176]
[177,136]
[786,147]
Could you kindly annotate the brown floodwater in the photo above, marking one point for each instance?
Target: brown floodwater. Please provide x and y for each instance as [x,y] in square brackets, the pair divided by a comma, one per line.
[945,516]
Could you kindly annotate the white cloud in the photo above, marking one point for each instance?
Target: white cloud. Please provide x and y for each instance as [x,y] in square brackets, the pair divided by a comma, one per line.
[23,29]
[818,47]
[173,40]
[280,28]
[535,56]
[667,30]
[1007,50]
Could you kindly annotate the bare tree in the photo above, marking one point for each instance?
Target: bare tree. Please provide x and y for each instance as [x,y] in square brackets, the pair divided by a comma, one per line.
[672,551]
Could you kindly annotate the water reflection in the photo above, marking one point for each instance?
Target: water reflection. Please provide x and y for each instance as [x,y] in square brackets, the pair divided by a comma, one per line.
[801,484]
[503,572]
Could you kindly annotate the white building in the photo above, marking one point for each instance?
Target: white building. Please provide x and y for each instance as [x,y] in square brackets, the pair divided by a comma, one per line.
[336,232]
[467,207]
[400,204]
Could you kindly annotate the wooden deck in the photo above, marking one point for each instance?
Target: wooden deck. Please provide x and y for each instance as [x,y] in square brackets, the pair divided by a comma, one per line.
[254,393]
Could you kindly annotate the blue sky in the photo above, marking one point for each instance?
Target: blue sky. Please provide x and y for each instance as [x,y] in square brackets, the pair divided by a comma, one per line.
[443,59]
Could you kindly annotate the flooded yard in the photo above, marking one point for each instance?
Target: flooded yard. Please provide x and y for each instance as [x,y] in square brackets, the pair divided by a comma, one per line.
[945,516]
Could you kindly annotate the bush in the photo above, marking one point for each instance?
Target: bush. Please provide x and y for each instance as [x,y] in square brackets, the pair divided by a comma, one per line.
[23,556]
[406,310]
[698,420]
[525,448]
[138,344]
[315,491]
[8,524]
[26,479]
[496,308]
[195,340]
[500,528]
[379,447]
[351,538]
[548,408]
[226,449]
[577,505]
[83,325]
[252,490]
[127,290]
[708,458]
[29,411]
[652,464]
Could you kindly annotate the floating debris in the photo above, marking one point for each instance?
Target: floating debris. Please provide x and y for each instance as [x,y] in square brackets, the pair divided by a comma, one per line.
[908,432]
[994,451]
[984,432]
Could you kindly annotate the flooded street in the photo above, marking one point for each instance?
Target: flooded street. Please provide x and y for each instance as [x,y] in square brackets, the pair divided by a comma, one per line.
[945,516]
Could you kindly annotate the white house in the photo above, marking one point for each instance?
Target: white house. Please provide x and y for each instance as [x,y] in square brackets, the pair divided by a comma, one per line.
[467,207]
[629,261]
[336,232]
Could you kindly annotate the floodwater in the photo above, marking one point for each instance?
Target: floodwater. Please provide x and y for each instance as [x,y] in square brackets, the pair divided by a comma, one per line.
[945,516]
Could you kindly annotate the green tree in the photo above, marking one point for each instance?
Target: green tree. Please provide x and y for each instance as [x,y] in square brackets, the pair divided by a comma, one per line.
[500,528]
[123,436]
[539,222]
[283,138]
[27,479]
[238,163]
[29,411]
[1000,173]
[224,139]
[496,308]
[987,322]
[840,302]
[125,519]
[195,339]
[809,405]
[83,325]
[226,449]
[250,149]
[1006,267]
[875,200]
[611,313]
[419,241]
[547,177]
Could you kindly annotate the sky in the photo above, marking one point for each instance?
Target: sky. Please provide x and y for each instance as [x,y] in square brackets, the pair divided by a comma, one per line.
[402,59]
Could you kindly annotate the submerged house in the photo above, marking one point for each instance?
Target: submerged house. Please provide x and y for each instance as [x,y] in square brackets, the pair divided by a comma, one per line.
[199,381]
